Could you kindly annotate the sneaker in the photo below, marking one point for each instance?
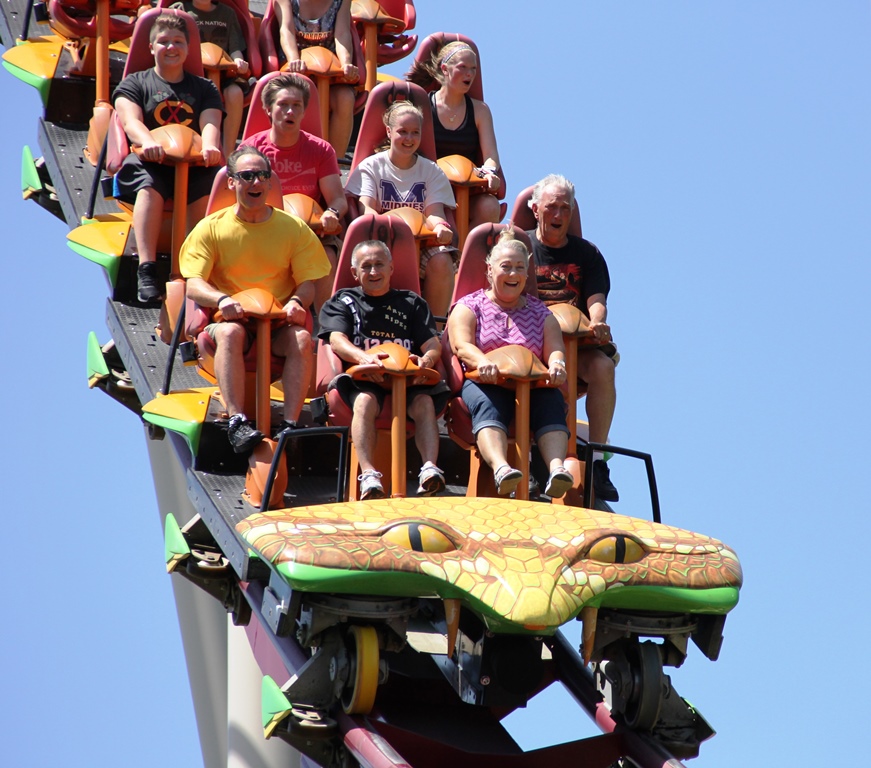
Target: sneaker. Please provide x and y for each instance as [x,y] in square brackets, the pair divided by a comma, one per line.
[507,479]
[558,483]
[242,434]
[285,424]
[148,286]
[370,485]
[431,480]
[602,485]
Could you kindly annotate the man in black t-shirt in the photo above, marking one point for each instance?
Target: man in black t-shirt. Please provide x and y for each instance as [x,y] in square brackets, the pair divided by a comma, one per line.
[145,100]
[571,270]
[357,319]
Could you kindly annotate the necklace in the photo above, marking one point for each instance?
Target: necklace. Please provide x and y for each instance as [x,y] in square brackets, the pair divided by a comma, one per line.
[453,112]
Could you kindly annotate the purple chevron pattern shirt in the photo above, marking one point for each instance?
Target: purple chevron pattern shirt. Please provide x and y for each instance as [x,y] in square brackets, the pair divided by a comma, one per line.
[496,327]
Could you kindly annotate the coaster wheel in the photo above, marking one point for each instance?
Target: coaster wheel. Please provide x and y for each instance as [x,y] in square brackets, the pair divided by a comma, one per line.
[642,709]
[359,695]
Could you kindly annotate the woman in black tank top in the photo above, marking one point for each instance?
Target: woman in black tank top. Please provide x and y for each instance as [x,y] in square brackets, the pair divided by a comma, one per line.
[463,125]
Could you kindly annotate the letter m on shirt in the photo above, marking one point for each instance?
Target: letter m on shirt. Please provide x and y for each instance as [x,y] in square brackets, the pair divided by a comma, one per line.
[392,198]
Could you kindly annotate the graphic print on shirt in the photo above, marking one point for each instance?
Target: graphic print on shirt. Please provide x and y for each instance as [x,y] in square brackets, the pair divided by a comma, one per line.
[392,198]
[172,112]
[392,321]
[559,283]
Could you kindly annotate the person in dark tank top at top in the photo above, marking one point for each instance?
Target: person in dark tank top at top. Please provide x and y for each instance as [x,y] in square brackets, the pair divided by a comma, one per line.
[462,125]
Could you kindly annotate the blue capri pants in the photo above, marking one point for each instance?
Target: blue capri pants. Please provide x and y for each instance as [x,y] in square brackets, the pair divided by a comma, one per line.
[493,406]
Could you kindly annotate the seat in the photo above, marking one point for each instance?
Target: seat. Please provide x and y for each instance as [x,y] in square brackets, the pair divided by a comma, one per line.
[258,120]
[382,25]
[472,276]
[396,235]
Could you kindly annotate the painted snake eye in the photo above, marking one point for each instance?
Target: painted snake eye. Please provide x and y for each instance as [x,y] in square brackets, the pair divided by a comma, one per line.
[419,537]
[616,549]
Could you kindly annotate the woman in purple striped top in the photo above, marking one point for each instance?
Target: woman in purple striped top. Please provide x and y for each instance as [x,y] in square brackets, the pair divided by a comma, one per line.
[495,317]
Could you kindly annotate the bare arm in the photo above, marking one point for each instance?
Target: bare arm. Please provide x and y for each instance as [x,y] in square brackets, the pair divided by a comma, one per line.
[370,205]
[344,42]
[210,129]
[462,325]
[334,196]
[298,304]
[130,114]
[435,220]
[597,309]
[206,295]
[554,351]
[287,35]
[487,138]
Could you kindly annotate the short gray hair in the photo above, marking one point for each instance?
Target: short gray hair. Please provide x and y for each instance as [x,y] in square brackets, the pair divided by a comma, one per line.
[379,244]
[552,180]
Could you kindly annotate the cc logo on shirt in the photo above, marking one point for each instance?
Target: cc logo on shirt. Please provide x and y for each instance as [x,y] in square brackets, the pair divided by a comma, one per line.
[171,112]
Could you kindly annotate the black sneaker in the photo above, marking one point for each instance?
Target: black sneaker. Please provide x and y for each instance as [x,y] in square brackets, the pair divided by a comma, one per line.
[148,286]
[242,435]
[285,424]
[602,485]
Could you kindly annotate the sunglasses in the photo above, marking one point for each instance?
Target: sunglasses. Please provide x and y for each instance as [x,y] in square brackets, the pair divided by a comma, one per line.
[249,176]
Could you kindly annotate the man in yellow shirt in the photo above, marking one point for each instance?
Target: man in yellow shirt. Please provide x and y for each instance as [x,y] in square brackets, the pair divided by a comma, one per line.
[252,245]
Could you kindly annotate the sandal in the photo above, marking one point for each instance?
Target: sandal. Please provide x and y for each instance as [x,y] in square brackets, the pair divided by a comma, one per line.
[558,483]
[507,479]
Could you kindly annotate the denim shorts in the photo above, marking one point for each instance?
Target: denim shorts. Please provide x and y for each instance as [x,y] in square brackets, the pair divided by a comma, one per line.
[493,406]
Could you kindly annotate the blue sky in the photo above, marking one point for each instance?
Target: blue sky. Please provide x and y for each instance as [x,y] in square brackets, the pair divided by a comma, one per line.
[721,155]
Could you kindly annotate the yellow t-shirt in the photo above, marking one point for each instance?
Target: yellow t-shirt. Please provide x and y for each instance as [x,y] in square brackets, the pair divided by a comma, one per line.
[233,255]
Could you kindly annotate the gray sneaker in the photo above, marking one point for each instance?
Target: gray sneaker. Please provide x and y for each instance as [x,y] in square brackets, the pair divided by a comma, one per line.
[370,485]
[430,481]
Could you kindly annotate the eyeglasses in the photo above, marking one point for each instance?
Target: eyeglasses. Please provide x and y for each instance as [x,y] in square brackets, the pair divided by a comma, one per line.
[249,176]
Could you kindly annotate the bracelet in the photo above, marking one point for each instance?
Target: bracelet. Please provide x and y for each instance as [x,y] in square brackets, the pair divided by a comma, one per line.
[220,299]
[486,170]
[333,211]
[297,300]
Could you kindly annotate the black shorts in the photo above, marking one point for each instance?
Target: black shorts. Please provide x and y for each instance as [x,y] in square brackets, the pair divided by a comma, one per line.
[135,175]
[349,388]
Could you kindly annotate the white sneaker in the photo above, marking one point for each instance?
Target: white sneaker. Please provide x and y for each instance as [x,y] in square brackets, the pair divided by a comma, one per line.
[370,485]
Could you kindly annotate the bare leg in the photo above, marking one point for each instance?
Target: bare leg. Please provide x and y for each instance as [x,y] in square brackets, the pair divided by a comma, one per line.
[438,285]
[363,429]
[483,209]
[234,103]
[294,344]
[324,286]
[493,446]
[426,431]
[553,447]
[147,219]
[341,117]
[597,369]
[229,368]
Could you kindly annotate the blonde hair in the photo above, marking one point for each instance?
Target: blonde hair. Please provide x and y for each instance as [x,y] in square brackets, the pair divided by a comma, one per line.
[507,241]
[428,74]
[399,108]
